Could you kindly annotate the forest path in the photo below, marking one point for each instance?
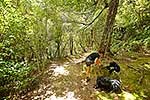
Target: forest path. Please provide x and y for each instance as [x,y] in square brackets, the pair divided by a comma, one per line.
[63,81]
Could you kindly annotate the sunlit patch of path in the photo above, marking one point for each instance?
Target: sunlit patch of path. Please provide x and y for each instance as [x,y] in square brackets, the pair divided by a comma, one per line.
[68,96]
[61,81]
[60,70]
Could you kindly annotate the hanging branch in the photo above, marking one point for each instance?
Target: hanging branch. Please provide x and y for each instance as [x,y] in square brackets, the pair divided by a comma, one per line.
[106,5]
[97,16]
[88,24]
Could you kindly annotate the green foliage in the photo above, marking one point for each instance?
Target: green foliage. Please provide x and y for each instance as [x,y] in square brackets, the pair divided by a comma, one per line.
[20,50]
[133,18]
[31,33]
[136,42]
[34,31]
[11,72]
[147,42]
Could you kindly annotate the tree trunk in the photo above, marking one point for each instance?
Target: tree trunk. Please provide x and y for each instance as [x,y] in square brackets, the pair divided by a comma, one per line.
[71,44]
[92,38]
[106,38]
[58,49]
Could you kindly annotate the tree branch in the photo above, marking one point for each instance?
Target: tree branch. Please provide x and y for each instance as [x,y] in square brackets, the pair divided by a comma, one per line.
[88,24]
[97,16]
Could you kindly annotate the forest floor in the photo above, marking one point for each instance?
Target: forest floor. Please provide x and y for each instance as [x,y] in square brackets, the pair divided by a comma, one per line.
[64,80]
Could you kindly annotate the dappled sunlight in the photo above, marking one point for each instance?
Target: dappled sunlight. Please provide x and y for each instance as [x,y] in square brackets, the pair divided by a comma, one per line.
[76,61]
[68,96]
[67,81]
[128,96]
[70,49]
[79,60]
[112,96]
[101,96]
[60,70]
[66,64]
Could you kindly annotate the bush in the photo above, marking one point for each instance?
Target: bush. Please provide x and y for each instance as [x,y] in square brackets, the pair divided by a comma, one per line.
[14,76]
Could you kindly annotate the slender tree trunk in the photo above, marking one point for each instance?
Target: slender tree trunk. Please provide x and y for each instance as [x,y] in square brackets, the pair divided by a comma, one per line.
[58,49]
[106,38]
[71,44]
[45,10]
[92,38]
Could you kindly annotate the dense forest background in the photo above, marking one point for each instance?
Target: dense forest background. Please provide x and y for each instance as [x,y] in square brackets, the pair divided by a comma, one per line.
[35,32]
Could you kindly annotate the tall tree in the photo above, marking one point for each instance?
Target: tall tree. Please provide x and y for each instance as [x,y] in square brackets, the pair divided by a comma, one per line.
[106,38]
